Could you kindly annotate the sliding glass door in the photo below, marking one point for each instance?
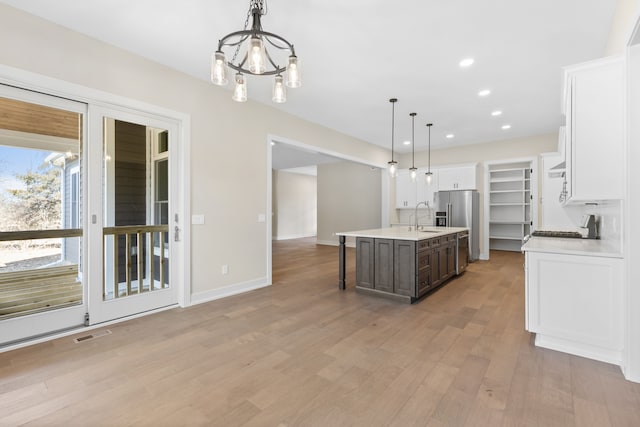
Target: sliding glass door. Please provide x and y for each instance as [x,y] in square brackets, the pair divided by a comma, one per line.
[42,215]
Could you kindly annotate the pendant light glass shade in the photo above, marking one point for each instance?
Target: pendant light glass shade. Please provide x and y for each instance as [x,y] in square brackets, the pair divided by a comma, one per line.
[279,92]
[414,174]
[218,69]
[393,165]
[256,55]
[429,174]
[429,177]
[293,72]
[240,91]
[393,169]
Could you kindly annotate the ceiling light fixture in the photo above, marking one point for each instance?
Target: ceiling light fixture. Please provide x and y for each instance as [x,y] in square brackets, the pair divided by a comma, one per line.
[449,136]
[484,92]
[505,127]
[393,165]
[429,174]
[407,142]
[250,56]
[413,170]
[467,62]
[496,113]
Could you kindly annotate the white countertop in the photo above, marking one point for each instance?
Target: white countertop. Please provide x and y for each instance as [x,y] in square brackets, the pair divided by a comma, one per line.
[403,233]
[568,246]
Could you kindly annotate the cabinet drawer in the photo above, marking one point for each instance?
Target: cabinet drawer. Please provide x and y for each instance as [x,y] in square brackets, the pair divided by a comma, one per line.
[427,244]
[423,282]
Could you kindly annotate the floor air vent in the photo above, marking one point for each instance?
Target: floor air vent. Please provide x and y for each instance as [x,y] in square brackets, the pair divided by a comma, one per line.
[92,336]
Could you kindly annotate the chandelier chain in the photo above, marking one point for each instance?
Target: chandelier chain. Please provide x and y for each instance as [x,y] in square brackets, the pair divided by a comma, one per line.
[246,24]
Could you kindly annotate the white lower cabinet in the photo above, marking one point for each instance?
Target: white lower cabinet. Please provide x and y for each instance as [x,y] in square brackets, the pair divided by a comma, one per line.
[574,304]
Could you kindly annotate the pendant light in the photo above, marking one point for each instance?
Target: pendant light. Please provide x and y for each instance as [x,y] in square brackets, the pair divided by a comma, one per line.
[393,165]
[429,174]
[413,170]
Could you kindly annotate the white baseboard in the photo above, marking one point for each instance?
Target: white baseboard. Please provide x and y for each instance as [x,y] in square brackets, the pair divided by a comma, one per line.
[293,236]
[584,350]
[227,291]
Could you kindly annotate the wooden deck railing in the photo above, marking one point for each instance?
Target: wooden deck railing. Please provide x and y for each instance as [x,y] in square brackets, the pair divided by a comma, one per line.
[142,233]
[39,289]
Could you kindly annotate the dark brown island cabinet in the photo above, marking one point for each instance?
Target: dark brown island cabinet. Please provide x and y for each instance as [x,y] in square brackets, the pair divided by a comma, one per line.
[406,270]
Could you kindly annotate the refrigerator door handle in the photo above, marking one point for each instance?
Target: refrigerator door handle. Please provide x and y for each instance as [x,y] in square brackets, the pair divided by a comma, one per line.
[449,214]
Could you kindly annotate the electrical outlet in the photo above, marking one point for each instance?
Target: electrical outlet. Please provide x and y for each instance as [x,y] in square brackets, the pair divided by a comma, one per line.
[225,269]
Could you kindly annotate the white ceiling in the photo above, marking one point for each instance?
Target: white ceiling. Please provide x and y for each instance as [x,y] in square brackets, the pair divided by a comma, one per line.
[357,54]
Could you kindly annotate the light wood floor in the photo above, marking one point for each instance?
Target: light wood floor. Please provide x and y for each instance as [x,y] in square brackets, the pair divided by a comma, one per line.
[302,353]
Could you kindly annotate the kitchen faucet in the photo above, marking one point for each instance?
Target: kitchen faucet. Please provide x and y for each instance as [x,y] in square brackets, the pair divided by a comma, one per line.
[416,214]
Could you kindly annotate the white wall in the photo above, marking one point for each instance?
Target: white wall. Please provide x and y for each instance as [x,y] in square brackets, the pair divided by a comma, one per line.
[349,198]
[294,205]
[230,193]
[627,12]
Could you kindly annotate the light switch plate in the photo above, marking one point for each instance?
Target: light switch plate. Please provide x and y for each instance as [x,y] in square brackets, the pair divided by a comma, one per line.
[262,218]
[197,219]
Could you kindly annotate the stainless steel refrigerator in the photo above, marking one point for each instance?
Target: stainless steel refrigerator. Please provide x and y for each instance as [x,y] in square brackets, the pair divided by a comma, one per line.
[461,209]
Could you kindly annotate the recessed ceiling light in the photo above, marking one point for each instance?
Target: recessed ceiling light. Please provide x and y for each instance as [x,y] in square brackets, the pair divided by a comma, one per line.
[505,127]
[496,113]
[467,62]
[484,92]
[407,143]
[449,135]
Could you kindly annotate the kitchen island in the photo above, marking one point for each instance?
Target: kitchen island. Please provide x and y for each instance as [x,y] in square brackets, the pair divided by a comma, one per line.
[403,263]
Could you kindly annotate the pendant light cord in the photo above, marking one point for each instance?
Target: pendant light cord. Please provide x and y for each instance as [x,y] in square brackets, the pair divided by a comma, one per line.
[429,159]
[413,140]
[393,117]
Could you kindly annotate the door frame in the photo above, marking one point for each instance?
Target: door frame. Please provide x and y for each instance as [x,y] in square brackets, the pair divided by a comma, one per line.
[274,139]
[16,77]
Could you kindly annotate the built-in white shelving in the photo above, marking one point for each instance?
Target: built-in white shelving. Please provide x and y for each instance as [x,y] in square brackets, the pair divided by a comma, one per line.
[509,205]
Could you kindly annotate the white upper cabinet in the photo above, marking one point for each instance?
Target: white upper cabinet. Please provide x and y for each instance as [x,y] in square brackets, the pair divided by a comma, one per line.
[594,109]
[409,193]
[457,178]
[405,190]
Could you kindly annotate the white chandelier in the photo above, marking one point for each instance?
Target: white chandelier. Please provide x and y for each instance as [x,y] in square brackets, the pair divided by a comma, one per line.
[251,56]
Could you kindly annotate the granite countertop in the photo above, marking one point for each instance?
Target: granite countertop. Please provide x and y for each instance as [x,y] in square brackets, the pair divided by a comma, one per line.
[569,246]
[402,233]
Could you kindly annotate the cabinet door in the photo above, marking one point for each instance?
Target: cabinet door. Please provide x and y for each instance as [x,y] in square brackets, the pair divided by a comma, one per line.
[365,262]
[451,259]
[435,267]
[577,299]
[457,178]
[405,190]
[383,265]
[404,267]
[595,127]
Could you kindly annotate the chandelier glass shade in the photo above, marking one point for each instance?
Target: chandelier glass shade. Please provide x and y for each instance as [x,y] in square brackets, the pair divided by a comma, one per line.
[254,51]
